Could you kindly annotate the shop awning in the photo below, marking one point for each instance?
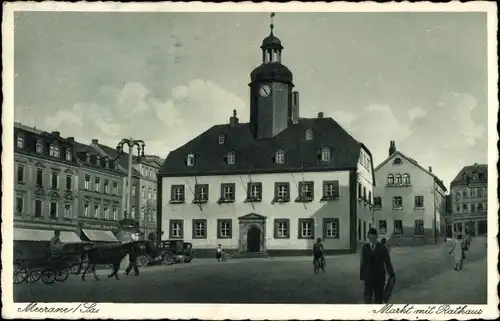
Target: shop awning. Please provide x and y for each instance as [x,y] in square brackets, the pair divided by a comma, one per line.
[100,236]
[21,234]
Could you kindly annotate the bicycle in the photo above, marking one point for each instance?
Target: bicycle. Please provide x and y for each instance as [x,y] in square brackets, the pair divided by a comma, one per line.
[319,264]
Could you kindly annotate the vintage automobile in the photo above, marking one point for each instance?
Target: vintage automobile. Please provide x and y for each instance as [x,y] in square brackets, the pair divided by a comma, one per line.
[181,251]
[164,252]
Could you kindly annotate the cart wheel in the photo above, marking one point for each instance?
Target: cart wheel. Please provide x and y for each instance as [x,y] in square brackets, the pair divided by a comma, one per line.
[168,259]
[48,276]
[20,274]
[33,276]
[142,261]
[62,275]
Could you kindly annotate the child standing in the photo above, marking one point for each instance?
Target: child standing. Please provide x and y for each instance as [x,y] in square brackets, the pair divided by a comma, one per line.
[219,253]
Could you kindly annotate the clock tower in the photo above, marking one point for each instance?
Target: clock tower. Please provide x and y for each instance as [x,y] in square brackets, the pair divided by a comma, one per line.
[270,91]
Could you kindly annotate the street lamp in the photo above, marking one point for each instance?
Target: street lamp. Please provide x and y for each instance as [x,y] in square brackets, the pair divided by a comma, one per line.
[131,143]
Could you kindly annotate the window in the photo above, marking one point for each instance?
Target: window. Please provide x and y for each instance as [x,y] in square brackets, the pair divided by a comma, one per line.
[115,188]
[280,157]
[86,209]
[282,192]
[190,160]
[199,229]
[397,161]
[231,158]
[457,195]
[331,190]
[419,202]
[176,229]
[19,205]
[142,213]
[67,210]
[68,154]
[106,213]
[464,193]
[377,202]
[465,208]
[177,194]
[106,186]
[306,191]
[38,208]
[281,228]
[397,202]
[480,192]
[39,177]
[479,207]
[370,198]
[309,134]
[201,193]
[419,227]
[325,154]
[154,194]
[458,208]
[54,180]
[227,192]
[97,183]
[133,212]
[306,228]
[254,191]
[224,229]
[96,210]
[115,214]
[472,192]
[52,150]
[390,179]
[133,190]
[398,179]
[360,190]
[143,192]
[406,179]
[398,227]
[39,147]
[364,193]
[87,182]
[221,139]
[20,173]
[53,210]
[382,226]
[69,182]
[473,208]
[20,142]
[331,228]
[150,193]
[106,162]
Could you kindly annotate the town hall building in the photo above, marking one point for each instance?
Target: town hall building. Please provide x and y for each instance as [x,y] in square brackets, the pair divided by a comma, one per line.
[273,185]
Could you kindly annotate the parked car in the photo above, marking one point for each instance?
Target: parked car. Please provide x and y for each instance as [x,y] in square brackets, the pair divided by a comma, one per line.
[181,251]
[150,253]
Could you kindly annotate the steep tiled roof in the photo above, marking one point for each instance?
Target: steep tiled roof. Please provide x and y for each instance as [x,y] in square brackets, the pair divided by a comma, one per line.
[122,160]
[480,169]
[82,148]
[257,155]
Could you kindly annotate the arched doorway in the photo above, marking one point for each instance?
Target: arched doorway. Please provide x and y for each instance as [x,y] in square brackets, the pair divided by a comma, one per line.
[253,239]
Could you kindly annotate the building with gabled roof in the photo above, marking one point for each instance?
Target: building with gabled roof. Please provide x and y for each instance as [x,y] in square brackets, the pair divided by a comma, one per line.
[410,201]
[469,194]
[270,186]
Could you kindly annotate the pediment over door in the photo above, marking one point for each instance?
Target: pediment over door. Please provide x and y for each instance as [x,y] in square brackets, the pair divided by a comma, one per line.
[251,217]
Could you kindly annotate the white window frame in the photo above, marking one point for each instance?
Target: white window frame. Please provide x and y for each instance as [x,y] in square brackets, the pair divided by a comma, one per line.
[325,154]
[106,213]
[178,194]
[225,229]
[86,207]
[280,157]
[20,142]
[231,158]
[283,191]
[222,139]
[332,229]
[190,160]
[39,147]
[50,210]
[309,134]
[398,179]
[306,227]
[133,190]
[143,191]
[176,229]
[394,203]
[282,229]
[106,186]
[201,193]
[255,191]
[66,182]
[154,194]
[87,182]
[150,193]
[382,231]
[307,187]
[51,180]
[133,212]
[228,192]
[20,168]
[419,197]
[97,209]
[115,214]
[200,229]
[67,210]
[57,152]
[97,184]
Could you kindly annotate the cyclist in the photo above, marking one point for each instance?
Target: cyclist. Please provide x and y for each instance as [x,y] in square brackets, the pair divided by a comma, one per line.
[318,250]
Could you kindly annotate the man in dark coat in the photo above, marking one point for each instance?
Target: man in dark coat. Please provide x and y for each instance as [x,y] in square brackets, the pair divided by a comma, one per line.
[132,261]
[375,261]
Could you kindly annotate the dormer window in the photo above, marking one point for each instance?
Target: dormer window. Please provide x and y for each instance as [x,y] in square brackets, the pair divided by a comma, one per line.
[190,160]
[280,157]
[87,158]
[474,175]
[39,147]
[106,162]
[54,151]
[397,160]
[231,158]
[68,154]
[309,134]
[222,139]
[20,142]
[325,154]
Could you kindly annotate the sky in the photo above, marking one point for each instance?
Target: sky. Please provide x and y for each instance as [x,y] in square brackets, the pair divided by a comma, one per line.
[419,79]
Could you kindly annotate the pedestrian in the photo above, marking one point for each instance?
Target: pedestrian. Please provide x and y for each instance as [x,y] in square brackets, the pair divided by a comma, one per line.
[458,252]
[219,253]
[375,262]
[56,245]
[384,243]
[132,261]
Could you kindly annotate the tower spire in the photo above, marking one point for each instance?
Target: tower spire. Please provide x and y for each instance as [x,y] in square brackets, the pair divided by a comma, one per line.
[272,22]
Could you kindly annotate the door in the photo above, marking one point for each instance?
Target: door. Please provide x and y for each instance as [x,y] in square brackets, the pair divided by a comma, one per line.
[253,240]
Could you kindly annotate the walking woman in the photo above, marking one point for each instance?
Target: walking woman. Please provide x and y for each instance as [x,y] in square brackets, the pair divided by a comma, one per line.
[458,252]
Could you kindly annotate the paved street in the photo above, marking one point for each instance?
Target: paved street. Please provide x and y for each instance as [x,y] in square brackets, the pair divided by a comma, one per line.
[273,280]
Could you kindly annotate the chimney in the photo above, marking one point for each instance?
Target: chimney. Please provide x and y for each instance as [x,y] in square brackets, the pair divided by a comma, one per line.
[233,121]
[95,141]
[430,169]
[475,164]
[320,115]
[57,134]
[295,107]
[392,147]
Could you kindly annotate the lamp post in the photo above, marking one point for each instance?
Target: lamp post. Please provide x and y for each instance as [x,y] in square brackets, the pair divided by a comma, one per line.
[131,143]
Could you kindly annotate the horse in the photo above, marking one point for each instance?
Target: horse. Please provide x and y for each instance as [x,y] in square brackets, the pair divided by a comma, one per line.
[105,254]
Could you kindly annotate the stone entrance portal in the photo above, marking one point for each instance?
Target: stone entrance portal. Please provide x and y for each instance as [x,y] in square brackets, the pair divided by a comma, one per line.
[252,233]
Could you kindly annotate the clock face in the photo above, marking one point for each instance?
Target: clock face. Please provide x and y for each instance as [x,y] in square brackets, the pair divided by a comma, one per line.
[265,90]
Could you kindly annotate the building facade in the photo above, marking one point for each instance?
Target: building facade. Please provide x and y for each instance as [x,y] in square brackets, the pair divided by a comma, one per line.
[410,201]
[272,185]
[46,185]
[469,193]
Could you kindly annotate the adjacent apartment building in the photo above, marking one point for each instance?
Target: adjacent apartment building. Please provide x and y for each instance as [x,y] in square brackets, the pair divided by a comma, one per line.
[270,186]
[410,201]
[469,193]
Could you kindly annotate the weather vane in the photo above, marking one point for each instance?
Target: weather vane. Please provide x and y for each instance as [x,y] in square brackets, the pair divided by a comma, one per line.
[272,21]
